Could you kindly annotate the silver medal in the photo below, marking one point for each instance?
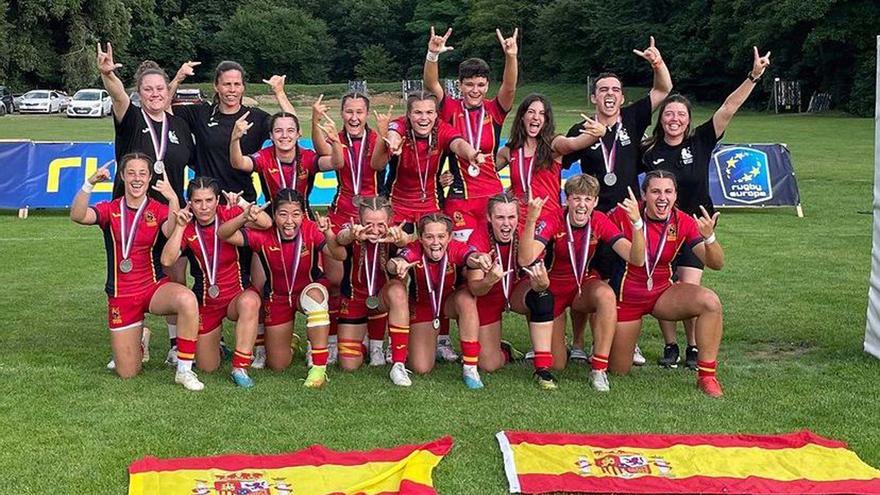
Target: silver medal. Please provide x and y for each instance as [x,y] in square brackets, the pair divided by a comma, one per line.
[213,291]
[436,323]
[610,179]
[650,284]
[372,302]
[125,265]
[159,167]
[473,170]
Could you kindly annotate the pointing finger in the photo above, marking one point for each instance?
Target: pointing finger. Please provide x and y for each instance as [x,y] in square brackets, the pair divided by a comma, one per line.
[652,42]
[244,117]
[446,36]
[515,33]
[639,53]
[755,49]
[632,195]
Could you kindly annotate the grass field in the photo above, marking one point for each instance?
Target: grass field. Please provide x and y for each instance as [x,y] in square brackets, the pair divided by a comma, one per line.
[794,292]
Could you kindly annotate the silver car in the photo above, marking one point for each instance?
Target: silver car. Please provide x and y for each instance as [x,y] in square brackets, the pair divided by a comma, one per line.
[89,103]
[40,101]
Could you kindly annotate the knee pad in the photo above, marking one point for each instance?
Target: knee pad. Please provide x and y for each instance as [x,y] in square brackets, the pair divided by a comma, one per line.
[540,305]
[317,313]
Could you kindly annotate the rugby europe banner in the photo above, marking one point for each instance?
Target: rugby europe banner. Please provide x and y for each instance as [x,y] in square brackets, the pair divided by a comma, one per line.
[313,471]
[752,175]
[795,463]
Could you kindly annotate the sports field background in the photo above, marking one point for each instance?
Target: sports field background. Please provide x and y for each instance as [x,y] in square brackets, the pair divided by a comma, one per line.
[794,292]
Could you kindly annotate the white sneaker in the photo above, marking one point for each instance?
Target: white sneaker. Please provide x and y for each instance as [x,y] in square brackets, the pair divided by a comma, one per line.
[400,375]
[111,365]
[259,361]
[471,377]
[145,344]
[446,353]
[530,356]
[578,354]
[638,359]
[171,359]
[189,380]
[599,381]
[377,354]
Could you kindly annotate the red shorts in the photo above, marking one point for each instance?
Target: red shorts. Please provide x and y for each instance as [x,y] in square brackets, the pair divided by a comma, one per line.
[565,292]
[423,311]
[490,307]
[212,313]
[354,310]
[636,300]
[466,214]
[402,214]
[124,312]
[341,218]
[278,310]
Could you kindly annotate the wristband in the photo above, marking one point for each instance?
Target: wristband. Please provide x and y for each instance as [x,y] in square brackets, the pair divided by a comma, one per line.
[432,56]
[710,239]
[638,224]
[87,187]
[753,78]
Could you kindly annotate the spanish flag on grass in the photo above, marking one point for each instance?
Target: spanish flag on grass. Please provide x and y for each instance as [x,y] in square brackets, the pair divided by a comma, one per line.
[796,463]
[313,471]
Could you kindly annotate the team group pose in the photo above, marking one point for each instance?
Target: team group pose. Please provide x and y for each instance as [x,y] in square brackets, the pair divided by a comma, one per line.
[421,231]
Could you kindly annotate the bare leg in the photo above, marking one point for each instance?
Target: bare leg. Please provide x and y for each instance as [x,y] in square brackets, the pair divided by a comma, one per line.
[127,353]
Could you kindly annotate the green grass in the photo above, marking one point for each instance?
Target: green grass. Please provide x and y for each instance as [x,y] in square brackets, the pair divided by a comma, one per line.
[794,292]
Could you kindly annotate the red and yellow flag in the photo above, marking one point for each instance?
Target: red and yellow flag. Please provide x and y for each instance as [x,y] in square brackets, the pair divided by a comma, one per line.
[312,471]
[796,463]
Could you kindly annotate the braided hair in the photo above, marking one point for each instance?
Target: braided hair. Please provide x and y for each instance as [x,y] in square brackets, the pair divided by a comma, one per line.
[411,99]
[203,182]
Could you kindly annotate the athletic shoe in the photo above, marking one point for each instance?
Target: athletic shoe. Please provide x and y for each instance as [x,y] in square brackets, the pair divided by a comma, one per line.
[145,344]
[241,378]
[690,357]
[377,354]
[225,351]
[332,353]
[577,354]
[545,379]
[515,354]
[638,359]
[446,353]
[599,381]
[189,380]
[171,359]
[471,378]
[709,385]
[530,356]
[111,365]
[670,357]
[388,353]
[259,361]
[400,375]
[317,377]
[295,344]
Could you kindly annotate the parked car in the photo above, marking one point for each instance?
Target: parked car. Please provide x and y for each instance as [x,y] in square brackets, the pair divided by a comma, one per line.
[65,99]
[16,100]
[186,96]
[7,100]
[40,101]
[89,103]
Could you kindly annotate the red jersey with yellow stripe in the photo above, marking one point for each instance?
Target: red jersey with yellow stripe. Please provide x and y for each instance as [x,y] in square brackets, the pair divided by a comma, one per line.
[481,126]
[279,258]
[551,230]
[298,175]
[357,168]
[232,274]
[357,266]
[146,247]
[457,254]
[544,182]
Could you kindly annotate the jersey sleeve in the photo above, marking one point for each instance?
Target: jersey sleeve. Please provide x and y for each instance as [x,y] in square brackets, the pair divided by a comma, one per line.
[640,112]
[226,214]
[688,230]
[446,134]
[188,232]
[620,219]
[102,212]
[161,212]
[259,158]
[546,228]
[412,252]
[398,125]
[448,107]
[459,252]
[188,113]
[606,230]
[309,161]
[494,109]
[254,239]
[479,240]
[572,157]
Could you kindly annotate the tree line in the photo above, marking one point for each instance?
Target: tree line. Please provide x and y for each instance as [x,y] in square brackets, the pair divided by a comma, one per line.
[828,45]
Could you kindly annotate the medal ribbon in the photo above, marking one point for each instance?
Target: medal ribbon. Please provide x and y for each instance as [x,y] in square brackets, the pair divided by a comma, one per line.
[370,268]
[649,268]
[423,180]
[572,256]
[506,279]
[293,174]
[210,265]
[296,252]
[435,295]
[525,179]
[128,240]
[470,132]
[356,168]
[159,148]
[610,157]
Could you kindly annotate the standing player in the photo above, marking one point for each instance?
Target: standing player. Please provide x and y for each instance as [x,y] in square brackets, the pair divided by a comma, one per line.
[222,282]
[479,120]
[568,240]
[417,141]
[437,290]
[649,289]
[291,258]
[614,160]
[133,225]
[685,152]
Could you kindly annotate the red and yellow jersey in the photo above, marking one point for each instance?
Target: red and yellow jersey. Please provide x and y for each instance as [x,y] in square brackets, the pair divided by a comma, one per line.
[482,128]
[419,165]
[232,275]
[369,180]
[299,175]
[146,246]
[456,254]
[357,266]
[483,241]
[552,229]
[279,258]
[544,182]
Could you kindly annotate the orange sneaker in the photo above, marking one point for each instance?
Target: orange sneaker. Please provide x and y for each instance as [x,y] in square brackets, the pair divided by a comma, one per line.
[709,385]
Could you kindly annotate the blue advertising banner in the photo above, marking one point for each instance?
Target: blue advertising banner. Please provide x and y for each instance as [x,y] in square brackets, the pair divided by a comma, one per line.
[752,175]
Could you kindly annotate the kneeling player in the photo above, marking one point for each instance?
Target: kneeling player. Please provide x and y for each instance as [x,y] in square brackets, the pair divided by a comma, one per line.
[290,255]
[649,289]
[221,279]
[136,285]
[568,241]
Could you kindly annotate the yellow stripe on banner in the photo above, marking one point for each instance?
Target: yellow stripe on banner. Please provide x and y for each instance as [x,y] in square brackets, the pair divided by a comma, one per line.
[369,479]
[811,462]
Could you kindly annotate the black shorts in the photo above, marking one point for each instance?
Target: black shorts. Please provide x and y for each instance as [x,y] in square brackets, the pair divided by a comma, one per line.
[686,258]
[609,265]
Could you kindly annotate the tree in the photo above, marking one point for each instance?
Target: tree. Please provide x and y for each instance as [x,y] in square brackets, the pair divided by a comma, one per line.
[377,65]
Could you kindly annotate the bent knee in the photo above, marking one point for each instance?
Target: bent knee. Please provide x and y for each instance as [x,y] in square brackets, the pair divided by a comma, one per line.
[711,302]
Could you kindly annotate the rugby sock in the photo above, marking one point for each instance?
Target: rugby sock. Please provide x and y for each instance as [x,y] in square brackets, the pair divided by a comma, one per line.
[172,334]
[350,349]
[399,342]
[241,360]
[261,336]
[319,356]
[706,368]
[186,352]
[543,359]
[599,362]
[470,352]
[376,327]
